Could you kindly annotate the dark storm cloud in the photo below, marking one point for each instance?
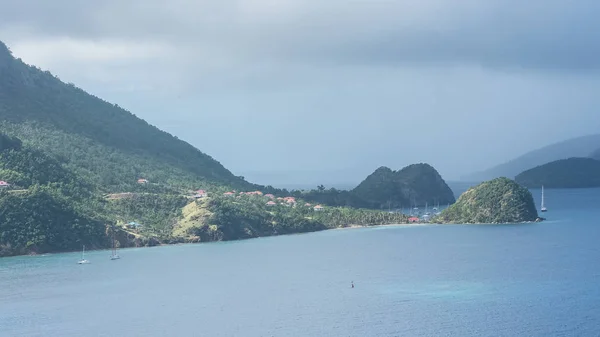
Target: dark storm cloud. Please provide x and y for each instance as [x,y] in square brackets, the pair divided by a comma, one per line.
[549,34]
[338,86]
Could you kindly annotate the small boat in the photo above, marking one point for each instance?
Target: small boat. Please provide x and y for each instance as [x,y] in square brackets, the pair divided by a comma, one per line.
[114,255]
[83,260]
[543,208]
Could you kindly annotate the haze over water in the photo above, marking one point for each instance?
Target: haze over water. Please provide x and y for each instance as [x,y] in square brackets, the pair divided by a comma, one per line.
[505,280]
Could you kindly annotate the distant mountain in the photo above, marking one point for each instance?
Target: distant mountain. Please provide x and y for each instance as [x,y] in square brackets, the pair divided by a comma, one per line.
[102,143]
[414,185]
[575,147]
[564,173]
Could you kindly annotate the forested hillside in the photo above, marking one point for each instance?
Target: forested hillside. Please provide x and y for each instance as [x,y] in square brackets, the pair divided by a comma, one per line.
[102,143]
[74,168]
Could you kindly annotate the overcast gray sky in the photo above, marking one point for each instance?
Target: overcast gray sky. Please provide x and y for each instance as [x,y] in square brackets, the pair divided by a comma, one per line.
[327,91]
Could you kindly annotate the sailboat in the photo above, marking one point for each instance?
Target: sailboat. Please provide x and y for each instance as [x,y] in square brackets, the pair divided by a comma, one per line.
[427,209]
[543,209]
[83,260]
[114,255]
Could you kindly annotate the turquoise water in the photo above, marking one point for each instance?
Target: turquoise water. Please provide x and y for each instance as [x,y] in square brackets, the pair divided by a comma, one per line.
[502,280]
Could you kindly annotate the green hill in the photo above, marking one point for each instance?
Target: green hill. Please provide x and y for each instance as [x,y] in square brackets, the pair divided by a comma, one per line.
[102,143]
[45,208]
[72,163]
[566,173]
[414,185]
[41,219]
[496,201]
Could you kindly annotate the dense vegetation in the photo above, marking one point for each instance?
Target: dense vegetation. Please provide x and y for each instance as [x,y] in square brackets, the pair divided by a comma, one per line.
[47,208]
[414,185]
[73,162]
[497,201]
[42,220]
[228,218]
[566,173]
[100,142]
[157,212]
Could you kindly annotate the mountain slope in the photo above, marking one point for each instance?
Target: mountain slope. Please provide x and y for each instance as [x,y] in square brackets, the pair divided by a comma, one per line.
[575,147]
[106,145]
[44,207]
[564,173]
[64,154]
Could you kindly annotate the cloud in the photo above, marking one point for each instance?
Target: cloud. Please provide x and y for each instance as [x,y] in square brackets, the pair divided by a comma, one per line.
[347,84]
[103,51]
[553,34]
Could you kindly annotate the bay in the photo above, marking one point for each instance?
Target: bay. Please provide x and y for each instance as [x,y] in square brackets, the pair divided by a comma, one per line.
[447,280]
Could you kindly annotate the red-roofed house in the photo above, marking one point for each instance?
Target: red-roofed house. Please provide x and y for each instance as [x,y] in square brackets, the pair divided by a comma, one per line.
[413,219]
[200,194]
[4,183]
[229,194]
[290,200]
[307,204]
[271,203]
[270,196]
[142,181]
[254,193]
[318,208]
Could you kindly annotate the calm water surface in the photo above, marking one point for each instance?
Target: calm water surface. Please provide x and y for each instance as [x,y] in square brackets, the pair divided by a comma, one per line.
[506,280]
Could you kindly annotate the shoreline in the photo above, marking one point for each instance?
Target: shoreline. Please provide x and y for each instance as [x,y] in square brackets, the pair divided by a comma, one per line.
[349,227]
[205,242]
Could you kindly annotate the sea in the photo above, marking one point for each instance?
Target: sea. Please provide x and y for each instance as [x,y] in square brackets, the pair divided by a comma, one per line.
[538,279]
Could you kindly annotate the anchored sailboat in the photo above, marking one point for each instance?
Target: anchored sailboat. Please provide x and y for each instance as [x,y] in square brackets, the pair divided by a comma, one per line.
[543,209]
[114,255]
[83,260]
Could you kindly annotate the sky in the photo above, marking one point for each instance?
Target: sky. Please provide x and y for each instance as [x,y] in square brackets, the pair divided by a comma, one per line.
[324,92]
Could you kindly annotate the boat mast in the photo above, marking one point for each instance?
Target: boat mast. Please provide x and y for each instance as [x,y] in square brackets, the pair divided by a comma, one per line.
[542,196]
[114,246]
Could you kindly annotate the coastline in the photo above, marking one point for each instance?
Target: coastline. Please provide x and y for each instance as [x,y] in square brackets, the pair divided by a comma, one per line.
[414,224]
[33,254]
[348,227]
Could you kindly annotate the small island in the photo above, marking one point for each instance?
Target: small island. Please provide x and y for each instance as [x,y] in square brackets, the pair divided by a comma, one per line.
[565,173]
[492,202]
